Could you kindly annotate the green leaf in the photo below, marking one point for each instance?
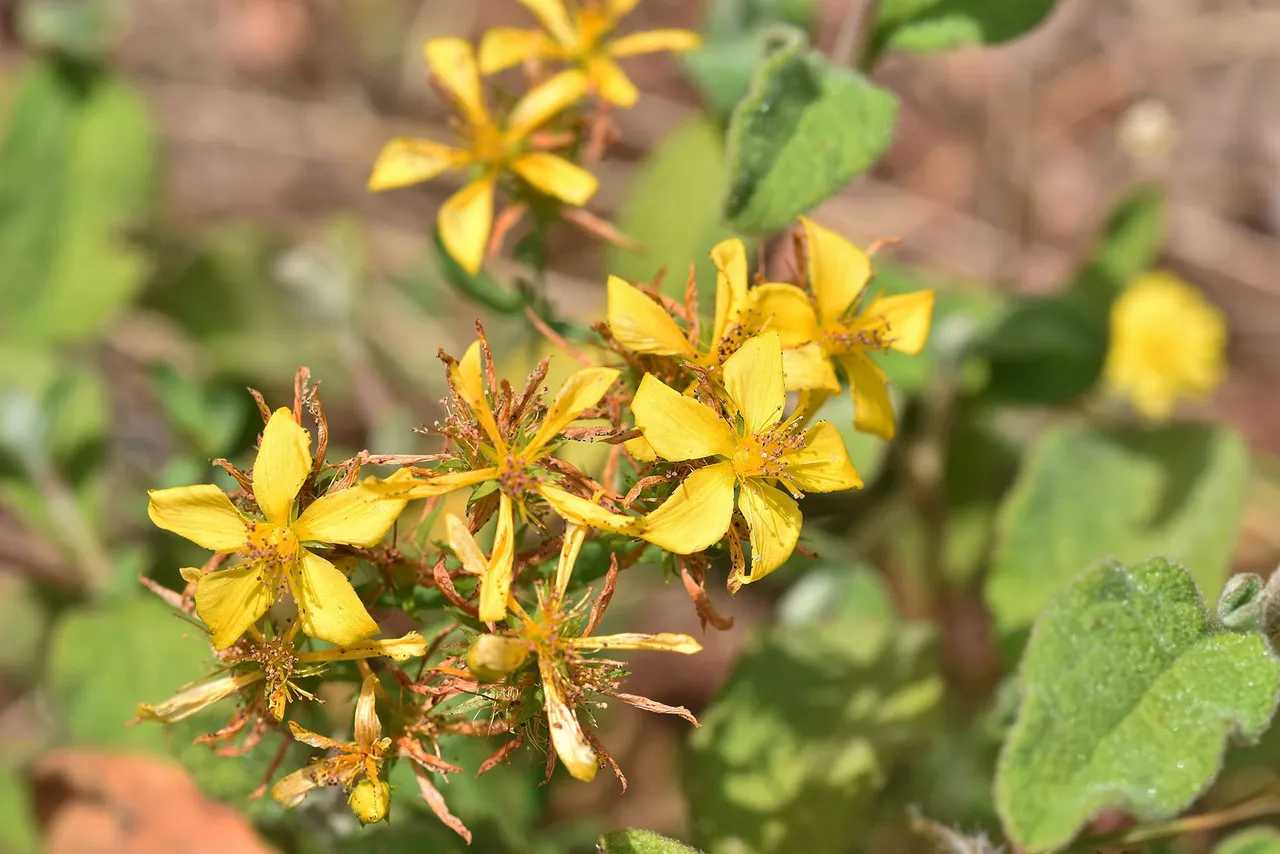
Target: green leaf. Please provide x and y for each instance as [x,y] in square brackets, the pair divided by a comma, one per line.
[641,842]
[80,29]
[1131,240]
[77,167]
[805,731]
[1251,840]
[932,25]
[25,618]
[804,131]
[1086,494]
[1242,607]
[18,834]
[1129,694]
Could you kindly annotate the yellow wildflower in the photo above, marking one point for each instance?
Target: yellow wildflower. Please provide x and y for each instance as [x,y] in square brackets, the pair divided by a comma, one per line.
[275,559]
[1167,342]
[753,452]
[581,36]
[834,325]
[355,767]
[492,149]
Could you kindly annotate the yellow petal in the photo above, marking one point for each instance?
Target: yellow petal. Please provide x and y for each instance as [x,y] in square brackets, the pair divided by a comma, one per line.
[453,62]
[753,379]
[328,607]
[642,325]
[411,161]
[367,728]
[838,270]
[545,101]
[616,9]
[231,600]
[464,545]
[663,642]
[640,448]
[313,739]
[611,83]
[651,41]
[678,427]
[553,16]
[808,367]
[293,788]
[566,733]
[557,177]
[403,648]
[468,380]
[495,584]
[580,511]
[903,320]
[574,537]
[773,518]
[465,220]
[282,465]
[356,516]
[503,47]
[199,698]
[581,391]
[203,514]
[823,465]
[410,488]
[872,409]
[786,309]
[730,258]
[696,515]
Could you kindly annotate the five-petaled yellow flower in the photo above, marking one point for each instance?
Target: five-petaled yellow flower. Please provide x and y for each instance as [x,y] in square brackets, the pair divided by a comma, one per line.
[275,559]
[581,37]
[1167,342]
[834,324]
[754,451]
[493,149]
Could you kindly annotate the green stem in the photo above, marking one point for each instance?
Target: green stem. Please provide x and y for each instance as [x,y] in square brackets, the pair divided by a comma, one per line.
[1266,802]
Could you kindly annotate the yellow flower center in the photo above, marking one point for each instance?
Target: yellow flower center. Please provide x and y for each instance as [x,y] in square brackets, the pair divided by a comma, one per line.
[275,550]
[861,333]
[513,476]
[488,146]
[761,454]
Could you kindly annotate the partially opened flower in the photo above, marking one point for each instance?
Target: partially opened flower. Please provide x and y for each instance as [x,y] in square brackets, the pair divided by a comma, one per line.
[493,148]
[836,323]
[275,559]
[354,766]
[581,34]
[1167,343]
[752,453]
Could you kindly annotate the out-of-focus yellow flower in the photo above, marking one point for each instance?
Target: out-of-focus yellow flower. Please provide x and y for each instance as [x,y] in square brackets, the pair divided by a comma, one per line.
[493,148]
[275,559]
[833,324]
[755,451]
[1167,343]
[355,766]
[581,36]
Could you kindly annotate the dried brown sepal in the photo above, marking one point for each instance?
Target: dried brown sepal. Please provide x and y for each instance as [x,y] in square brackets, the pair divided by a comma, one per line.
[599,228]
[606,596]
[444,583]
[557,339]
[604,754]
[695,584]
[437,803]
[272,767]
[501,755]
[648,705]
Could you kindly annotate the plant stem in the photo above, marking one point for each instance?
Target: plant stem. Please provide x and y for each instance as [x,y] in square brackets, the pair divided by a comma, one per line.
[1266,802]
[854,35]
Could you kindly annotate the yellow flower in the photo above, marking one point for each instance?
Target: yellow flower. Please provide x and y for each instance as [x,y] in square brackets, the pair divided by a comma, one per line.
[753,452]
[581,37]
[355,766]
[1167,342]
[492,150]
[834,324]
[275,559]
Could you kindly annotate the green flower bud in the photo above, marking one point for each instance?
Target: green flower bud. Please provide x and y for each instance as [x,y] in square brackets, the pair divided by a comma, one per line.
[493,657]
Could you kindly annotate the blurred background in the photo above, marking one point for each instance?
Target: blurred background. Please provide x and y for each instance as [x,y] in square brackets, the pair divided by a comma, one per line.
[198,223]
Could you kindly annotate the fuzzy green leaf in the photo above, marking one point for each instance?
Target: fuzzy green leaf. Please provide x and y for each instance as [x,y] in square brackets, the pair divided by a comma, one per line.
[932,25]
[805,130]
[1129,694]
[1086,494]
[641,842]
[1251,840]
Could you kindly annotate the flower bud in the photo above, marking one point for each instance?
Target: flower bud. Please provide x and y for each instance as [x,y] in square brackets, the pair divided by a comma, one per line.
[493,657]
[370,800]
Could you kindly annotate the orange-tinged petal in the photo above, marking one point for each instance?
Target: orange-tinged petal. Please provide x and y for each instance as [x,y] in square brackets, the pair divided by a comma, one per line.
[808,367]
[557,177]
[199,698]
[611,83]
[753,379]
[663,642]
[203,514]
[495,584]
[314,739]
[678,427]
[786,309]
[367,728]
[290,790]
[838,270]
[566,733]
[229,601]
[640,324]
[410,489]
[468,381]
[581,391]
[328,607]
[464,545]
[872,409]
[651,41]
[356,516]
[411,161]
[553,15]
[503,47]
[545,101]
[465,220]
[773,518]
[730,258]
[903,319]
[823,465]
[580,511]
[697,513]
[453,62]
[282,466]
